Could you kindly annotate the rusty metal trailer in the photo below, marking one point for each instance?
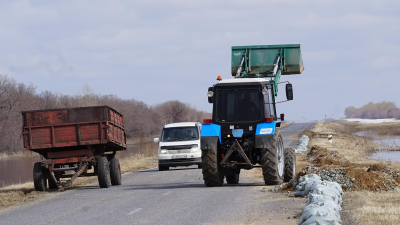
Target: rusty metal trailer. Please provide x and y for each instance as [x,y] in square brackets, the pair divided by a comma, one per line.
[74,142]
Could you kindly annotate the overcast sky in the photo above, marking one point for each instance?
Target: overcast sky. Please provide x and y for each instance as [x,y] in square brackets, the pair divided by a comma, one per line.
[155,51]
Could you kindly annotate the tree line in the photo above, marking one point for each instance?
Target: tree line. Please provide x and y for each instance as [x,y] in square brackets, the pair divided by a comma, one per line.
[373,111]
[141,119]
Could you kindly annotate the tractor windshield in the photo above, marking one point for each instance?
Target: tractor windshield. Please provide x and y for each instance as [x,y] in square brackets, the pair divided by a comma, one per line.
[238,105]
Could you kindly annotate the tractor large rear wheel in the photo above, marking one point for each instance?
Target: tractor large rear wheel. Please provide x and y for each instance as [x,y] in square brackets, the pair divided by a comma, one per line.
[290,164]
[212,173]
[272,161]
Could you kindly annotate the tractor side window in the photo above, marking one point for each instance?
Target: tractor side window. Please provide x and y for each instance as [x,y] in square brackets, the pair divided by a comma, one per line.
[268,104]
[271,105]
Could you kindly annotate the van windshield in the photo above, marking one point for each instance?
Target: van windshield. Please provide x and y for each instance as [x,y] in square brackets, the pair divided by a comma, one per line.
[179,134]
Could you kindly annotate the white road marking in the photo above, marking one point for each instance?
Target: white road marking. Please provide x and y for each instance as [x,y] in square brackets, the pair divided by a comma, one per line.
[167,193]
[134,211]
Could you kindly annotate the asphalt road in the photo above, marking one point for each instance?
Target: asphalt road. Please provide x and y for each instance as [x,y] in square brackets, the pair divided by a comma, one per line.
[177,196]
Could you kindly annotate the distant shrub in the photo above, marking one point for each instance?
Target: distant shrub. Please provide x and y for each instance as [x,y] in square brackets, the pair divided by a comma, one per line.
[373,111]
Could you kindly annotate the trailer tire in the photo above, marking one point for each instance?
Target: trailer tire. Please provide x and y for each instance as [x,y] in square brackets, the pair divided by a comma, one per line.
[272,161]
[39,177]
[103,172]
[290,164]
[212,173]
[115,171]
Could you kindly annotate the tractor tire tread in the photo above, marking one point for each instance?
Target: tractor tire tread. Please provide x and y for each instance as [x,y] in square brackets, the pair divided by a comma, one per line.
[269,162]
[211,174]
[290,164]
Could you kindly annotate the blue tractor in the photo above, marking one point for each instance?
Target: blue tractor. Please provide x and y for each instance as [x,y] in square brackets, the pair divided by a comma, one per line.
[244,129]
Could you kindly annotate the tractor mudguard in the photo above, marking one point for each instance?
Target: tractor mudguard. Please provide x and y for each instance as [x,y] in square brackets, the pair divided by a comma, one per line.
[208,143]
[264,141]
[211,130]
[265,134]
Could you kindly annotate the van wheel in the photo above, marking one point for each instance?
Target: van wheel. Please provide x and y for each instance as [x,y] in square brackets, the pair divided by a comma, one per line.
[162,168]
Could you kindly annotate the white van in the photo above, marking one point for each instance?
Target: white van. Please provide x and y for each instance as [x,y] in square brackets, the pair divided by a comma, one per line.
[179,145]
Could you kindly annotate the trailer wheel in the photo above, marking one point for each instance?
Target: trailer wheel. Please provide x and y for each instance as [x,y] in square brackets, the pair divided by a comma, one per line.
[39,177]
[199,166]
[233,179]
[290,164]
[115,171]
[103,172]
[272,161]
[212,173]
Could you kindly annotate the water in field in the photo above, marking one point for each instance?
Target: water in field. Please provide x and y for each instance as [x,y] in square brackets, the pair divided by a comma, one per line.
[384,142]
[393,156]
[389,146]
[16,170]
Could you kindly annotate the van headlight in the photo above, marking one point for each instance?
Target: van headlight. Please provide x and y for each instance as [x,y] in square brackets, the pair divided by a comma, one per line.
[163,151]
[195,148]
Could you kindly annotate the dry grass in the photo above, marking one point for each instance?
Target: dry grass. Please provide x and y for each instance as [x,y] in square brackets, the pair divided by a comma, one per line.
[371,208]
[388,128]
[354,148]
[20,154]
[362,207]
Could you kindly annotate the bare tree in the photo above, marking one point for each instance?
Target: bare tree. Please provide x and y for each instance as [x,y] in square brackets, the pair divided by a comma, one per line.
[372,111]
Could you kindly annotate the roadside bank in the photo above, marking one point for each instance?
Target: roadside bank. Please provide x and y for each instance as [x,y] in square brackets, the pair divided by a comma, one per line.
[371,186]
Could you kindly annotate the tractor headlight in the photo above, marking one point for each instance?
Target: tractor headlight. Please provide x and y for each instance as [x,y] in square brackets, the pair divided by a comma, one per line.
[210,94]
